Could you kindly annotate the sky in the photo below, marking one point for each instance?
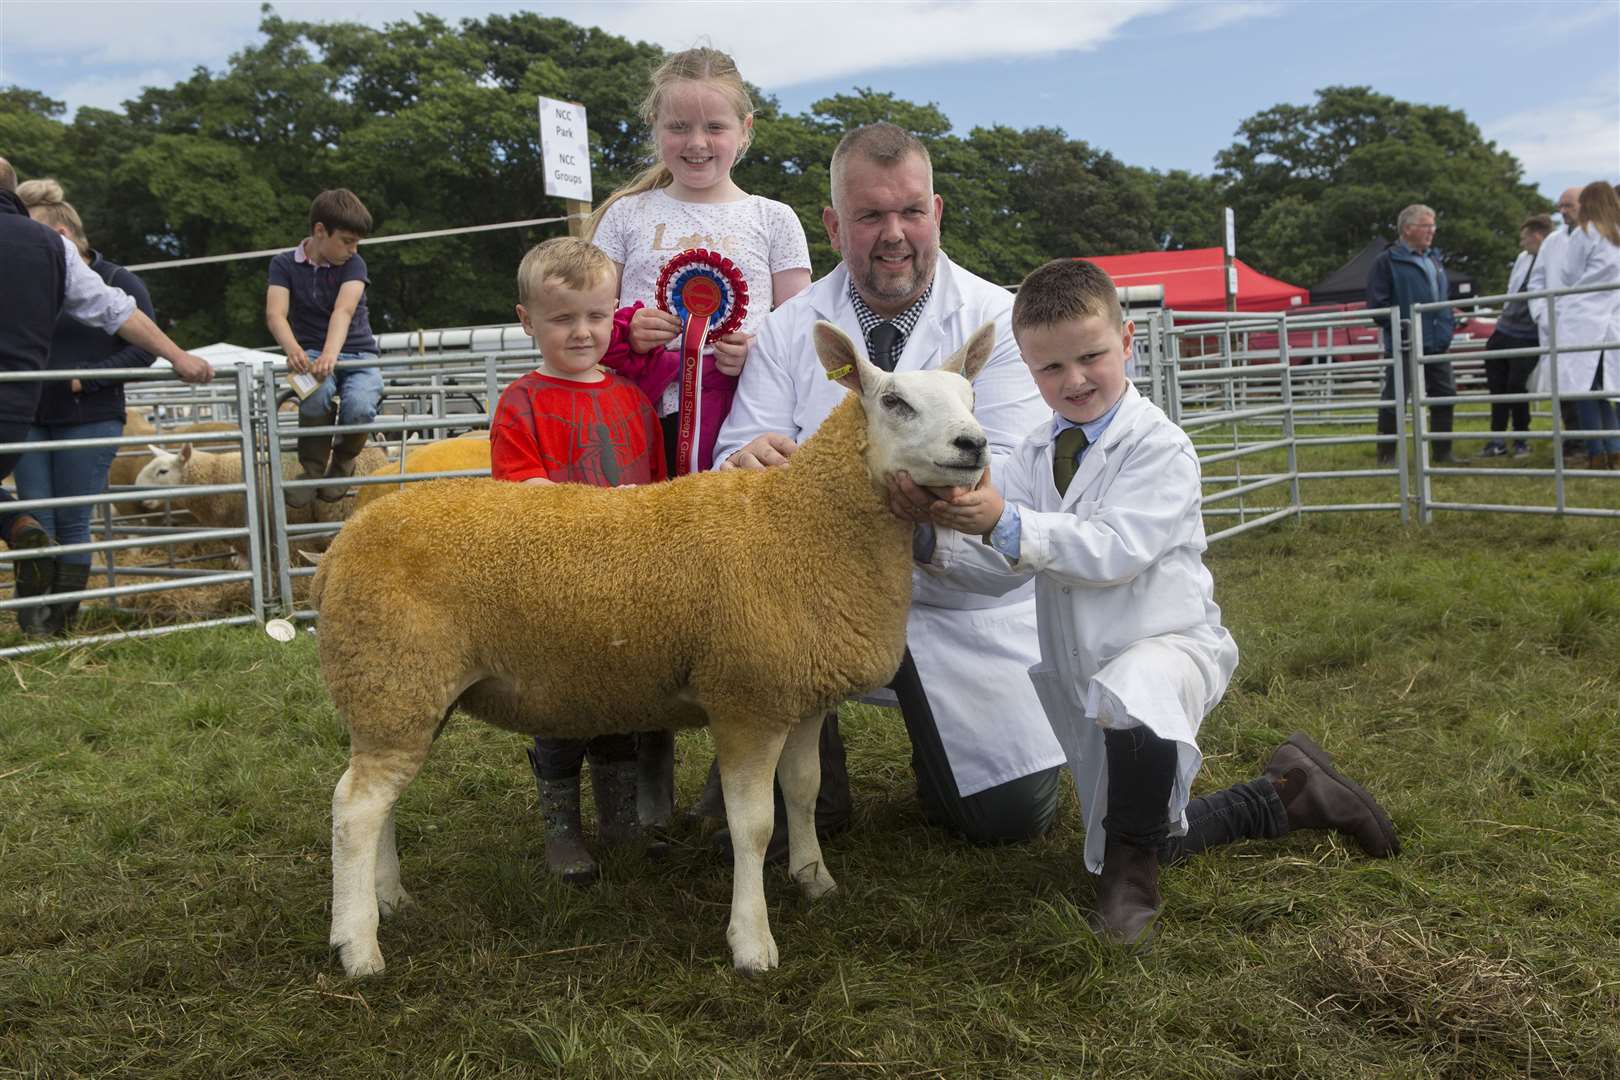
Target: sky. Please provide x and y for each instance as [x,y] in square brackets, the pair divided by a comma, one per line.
[1159,83]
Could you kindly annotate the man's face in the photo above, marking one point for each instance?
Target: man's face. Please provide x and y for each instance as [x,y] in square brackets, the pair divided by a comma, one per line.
[885,223]
[1418,234]
[1078,364]
[1569,206]
[1530,240]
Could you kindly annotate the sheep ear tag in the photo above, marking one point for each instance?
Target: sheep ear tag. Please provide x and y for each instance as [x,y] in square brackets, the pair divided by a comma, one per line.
[708,294]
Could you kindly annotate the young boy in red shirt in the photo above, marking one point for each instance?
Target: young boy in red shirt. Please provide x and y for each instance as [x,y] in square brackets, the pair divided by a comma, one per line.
[571,422]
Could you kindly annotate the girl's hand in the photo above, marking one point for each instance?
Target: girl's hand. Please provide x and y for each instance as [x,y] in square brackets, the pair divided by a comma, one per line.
[651,328]
[731,352]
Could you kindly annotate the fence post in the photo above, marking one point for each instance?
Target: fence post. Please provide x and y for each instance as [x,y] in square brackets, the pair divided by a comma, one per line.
[1287,388]
[1397,359]
[1557,404]
[1420,387]
[246,376]
[276,496]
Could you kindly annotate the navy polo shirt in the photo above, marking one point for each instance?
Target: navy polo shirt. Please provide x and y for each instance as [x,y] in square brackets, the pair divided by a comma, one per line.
[313,293]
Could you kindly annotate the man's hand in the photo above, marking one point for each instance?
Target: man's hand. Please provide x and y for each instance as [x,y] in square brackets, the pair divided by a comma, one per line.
[765,452]
[651,328]
[731,352]
[192,369]
[298,361]
[324,365]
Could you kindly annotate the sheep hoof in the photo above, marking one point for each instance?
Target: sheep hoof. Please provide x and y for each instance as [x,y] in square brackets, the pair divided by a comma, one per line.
[754,958]
[359,961]
[389,906]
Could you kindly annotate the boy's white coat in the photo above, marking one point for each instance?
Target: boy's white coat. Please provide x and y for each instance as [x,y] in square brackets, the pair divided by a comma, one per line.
[1128,620]
[971,652]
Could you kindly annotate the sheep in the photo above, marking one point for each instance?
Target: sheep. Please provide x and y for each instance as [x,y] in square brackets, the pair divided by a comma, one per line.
[126,468]
[465,452]
[191,466]
[751,601]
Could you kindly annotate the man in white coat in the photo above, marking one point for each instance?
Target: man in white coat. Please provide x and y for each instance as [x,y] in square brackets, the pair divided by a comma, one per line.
[987,763]
[1102,510]
[1548,273]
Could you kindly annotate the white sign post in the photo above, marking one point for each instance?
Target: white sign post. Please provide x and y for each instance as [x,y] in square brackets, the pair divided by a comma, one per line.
[565,153]
[1227,256]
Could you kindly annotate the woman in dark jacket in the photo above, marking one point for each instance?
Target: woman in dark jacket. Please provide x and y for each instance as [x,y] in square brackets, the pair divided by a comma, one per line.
[74,410]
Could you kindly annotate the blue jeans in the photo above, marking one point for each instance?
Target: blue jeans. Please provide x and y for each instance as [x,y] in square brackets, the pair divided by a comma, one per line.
[358,391]
[1597,414]
[55,474]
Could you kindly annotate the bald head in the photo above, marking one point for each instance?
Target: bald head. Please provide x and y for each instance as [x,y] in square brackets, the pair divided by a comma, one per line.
[1569,205]
[8,176]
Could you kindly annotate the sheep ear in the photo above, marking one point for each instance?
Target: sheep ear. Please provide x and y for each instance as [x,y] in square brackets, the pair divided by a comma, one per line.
[967,360]
[156,449]
[844,365]
[185,452]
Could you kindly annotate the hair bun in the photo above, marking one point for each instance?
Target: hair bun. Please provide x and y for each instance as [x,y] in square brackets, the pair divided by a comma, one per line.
[46,191]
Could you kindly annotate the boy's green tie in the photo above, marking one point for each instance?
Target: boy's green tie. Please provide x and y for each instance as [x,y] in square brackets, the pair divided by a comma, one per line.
[1066,456]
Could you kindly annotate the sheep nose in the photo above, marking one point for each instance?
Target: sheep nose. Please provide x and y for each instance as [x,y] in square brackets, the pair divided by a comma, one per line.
[970,444]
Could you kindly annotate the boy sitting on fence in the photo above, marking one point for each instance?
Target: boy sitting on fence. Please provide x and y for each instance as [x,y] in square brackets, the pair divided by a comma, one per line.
[315,308]
[570,422]
[1102,507]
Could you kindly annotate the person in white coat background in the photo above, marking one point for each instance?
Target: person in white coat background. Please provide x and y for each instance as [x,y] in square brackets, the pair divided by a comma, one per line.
[986,762]
[1591,256]
[1548,273]
[1101,506]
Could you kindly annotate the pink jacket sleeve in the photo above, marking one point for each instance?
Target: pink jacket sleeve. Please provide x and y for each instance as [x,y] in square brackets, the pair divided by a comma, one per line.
[651,372]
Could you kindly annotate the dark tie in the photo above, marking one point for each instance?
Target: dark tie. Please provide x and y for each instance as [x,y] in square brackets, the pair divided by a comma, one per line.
[1066,456]
[882,338]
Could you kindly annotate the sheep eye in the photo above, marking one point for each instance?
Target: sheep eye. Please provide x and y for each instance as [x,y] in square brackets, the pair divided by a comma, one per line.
[897,405]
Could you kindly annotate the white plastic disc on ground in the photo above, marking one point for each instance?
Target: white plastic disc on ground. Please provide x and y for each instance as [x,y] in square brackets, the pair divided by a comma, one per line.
[280,629]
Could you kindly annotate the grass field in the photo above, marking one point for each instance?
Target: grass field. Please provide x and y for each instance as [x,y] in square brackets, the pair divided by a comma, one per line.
[164,881]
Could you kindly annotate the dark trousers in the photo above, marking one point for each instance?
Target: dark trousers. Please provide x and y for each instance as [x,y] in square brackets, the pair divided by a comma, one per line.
[1141,771]
[1510,376]
[1438,381]
[1020,809]
[11,431]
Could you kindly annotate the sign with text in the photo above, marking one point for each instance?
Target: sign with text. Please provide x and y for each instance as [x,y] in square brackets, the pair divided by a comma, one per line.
[565,149]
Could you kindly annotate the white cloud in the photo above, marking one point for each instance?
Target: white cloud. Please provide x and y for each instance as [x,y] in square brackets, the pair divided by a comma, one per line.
[1579,135]
[1204,17]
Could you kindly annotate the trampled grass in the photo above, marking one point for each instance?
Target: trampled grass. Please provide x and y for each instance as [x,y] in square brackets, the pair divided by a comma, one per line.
[164,879]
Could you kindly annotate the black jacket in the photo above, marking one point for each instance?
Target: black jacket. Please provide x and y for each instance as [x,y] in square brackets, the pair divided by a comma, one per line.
[31,295]
[75,345]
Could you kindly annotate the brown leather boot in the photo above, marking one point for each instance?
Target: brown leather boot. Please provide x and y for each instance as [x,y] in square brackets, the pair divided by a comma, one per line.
[1317,796]
[1128,899]
[566,853]
[33,577]
[344,452]
[70,577]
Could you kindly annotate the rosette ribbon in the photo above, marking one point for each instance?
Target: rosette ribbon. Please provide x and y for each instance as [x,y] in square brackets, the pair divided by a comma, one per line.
[707,293]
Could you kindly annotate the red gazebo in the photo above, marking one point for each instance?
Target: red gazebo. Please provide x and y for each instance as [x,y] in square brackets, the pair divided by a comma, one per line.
[1194,280]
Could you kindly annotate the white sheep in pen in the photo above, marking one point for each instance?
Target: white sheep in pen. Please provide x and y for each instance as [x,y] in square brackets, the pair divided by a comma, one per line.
[750,601]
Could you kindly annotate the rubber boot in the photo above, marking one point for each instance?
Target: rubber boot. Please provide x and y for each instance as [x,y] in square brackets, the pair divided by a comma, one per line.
[344,453]
[33,577]
[313,451]
[655,787]
[1386,426]
[1440,418]
[613,783]
[70,577]
[566,854]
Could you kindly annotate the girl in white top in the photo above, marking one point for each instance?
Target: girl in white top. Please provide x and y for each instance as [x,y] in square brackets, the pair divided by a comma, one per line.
[1592,257]
[702,120]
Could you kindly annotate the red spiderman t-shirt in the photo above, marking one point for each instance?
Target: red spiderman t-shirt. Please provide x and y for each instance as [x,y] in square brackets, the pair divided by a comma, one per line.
[602,433]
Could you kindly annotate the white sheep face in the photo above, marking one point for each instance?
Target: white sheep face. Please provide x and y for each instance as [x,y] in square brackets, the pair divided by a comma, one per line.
[919,422]
[164,470]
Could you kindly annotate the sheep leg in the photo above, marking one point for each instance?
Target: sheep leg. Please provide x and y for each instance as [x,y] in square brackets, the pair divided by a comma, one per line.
[362,806]
[747,763]
[391,895]
[800,773]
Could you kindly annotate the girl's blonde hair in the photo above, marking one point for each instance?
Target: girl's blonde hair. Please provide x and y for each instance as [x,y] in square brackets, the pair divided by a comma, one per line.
[694,65]
[1600,208]
[46,203]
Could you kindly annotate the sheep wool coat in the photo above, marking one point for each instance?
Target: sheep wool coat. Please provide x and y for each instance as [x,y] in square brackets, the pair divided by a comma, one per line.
[1128,620]
[971,652]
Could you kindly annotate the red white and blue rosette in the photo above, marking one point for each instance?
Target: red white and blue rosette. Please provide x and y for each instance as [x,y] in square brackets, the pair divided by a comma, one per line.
[708,294]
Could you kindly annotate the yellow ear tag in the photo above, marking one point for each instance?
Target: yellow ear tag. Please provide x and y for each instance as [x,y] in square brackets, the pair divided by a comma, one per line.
[839,372]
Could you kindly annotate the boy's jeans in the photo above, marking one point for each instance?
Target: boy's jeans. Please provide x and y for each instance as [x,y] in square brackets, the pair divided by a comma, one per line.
[48,474]
[358,391]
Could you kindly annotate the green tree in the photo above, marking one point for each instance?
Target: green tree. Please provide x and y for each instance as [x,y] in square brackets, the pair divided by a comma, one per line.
[1311,184]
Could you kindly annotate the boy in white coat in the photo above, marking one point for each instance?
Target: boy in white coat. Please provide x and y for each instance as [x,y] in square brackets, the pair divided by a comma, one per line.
[1101,505]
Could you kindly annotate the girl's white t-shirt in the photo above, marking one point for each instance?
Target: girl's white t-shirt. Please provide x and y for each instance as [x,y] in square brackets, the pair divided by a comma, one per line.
[762,236]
